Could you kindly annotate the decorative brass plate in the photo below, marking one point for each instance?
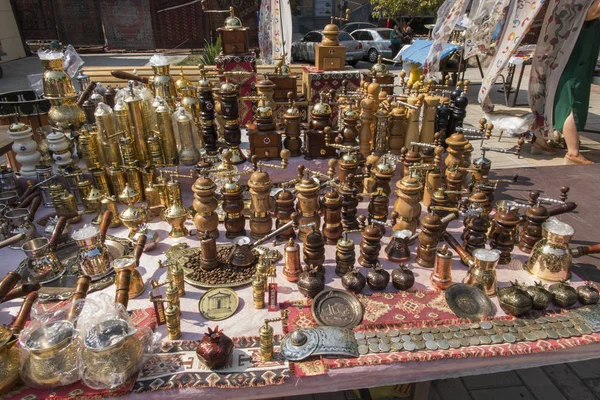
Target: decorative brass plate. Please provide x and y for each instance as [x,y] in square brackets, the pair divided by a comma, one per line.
[469,302]
[337,308]
[218,304]
[68,253]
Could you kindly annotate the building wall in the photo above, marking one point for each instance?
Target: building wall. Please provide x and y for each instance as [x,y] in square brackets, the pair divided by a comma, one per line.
[10,37]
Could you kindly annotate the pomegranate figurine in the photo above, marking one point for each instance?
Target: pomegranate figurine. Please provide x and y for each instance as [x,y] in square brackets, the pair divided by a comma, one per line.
[378,278]
[540,296]
[403,278]
[514,300]
[215,349]
[588,294]
[311,282]
[354,281]
[564,295]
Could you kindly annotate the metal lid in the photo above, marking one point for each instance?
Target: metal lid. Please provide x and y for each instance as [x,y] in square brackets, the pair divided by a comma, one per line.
[299,344]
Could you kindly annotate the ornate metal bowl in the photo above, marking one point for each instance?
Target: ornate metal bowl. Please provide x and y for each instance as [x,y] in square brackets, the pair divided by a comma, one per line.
[469,302]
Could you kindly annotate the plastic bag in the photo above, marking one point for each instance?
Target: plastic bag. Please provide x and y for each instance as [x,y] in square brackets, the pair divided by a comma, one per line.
[511,124]
[112,347]
[35,83]
[49,348]
[158,60]
[72,61]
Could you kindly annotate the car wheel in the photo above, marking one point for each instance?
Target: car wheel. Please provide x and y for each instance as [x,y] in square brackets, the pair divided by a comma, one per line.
[372,56]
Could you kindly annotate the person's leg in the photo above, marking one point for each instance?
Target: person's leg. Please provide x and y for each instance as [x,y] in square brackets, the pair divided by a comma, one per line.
[571,135]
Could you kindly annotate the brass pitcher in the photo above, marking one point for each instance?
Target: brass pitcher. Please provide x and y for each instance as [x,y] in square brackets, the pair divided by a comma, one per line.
[483,271]
[551,257]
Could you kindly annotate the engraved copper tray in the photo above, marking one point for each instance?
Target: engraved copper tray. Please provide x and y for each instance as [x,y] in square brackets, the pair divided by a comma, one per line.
[469,302]
[337,308]
[181,254]
[68,253]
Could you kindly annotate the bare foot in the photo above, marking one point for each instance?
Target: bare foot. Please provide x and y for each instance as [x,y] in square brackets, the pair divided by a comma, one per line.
[578,159]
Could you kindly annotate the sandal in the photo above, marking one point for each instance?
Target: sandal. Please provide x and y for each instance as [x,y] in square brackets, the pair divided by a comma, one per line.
[541,147]
[578,160]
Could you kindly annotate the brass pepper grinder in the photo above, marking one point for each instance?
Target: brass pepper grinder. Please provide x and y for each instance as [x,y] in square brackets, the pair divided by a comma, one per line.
[171,291]
[188,152]
[233,207]
[205,203]
[370,245]
[175,275]
[266,337]
[332,216]
[432,227]
[441,277]
[504,230]
[84,187]
[167,133]
[118,179]
[345,257]
[132,216]
[172,316]
[291,256]
[408,205]
[284,208]
[258,290]
[176,214]
[292,140]
[314,249]
[308,204]
[137,121]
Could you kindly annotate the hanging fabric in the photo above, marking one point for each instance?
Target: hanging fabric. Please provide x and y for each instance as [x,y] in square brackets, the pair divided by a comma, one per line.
[449,14]
[485,23]
[274,30]
[560,31]
[519,18]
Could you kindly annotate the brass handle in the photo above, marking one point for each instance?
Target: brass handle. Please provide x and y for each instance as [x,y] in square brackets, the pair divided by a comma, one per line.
[12,240]
[35,204]
[129,76]
[21,291]
[8,282]
[19,322]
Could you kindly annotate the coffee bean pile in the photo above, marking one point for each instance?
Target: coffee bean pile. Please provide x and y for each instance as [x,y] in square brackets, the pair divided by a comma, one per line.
[223,274]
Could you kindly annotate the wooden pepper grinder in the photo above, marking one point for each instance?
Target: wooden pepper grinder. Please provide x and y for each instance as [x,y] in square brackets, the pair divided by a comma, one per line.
[369,176]
[399,124]
[260,185]
[456,148]
[433,180]
[315,137]
[454,183]
[345,256]
[349,193]
[475,232]
[370,245]
[535,216]
[383,172]
[208,253]
[332,216]
[284,208]
[292,140]
[291,255]
[233,207]
[205,203]
[367,107]
[308,204]
[314,249]
[504,230]
[408,205]
[379,203]
[207,113]
[350,132]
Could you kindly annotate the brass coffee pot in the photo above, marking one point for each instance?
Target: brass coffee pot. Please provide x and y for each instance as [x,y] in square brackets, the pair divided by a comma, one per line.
[9,354]
[551,257]
[136,283]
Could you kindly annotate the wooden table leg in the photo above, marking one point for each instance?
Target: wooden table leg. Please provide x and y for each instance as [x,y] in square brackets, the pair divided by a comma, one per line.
[422,391]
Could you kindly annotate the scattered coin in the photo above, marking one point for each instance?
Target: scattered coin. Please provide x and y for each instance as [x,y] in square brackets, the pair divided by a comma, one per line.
[442,344]
[373,340]
[420,345]
[416,338]
[396,339]
[363,349]
[485,339]
[563,333]
[497,339]
[530,336]
[535,327]
[453,328]
[374,348]
[486,325]
[381,334]
[568,324]
[431,345]
[474,325]
[541,320]
[393,333]
[464,327]
[415,331]
[427,337]
[479,332]
[519,322]
[585,329]
[474,341]
[359,335]
[574,332]
[562,318]
[505,329]
[552,334]
[469,333]
[519,336]
[454,343]
[385,340]
[361,342]
[541,335]
[444,329]
[384,347]
[438,336]
[512,329]
[464,342]
[425,330]
[406,338]
[434,330]
[396,346]
[459,334]
[448,335]
[370,334]
[403,332]
[509,337]
[409,346]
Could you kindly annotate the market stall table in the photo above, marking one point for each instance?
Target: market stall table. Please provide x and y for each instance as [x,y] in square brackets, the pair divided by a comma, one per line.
[246,321]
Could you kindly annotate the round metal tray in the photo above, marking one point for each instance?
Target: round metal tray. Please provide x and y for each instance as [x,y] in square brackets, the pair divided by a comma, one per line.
[469,302]
[218,304]
[337,308]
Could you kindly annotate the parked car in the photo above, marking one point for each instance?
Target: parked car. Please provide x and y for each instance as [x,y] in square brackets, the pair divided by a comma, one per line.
[352,26]
[375,42]
[304,49]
